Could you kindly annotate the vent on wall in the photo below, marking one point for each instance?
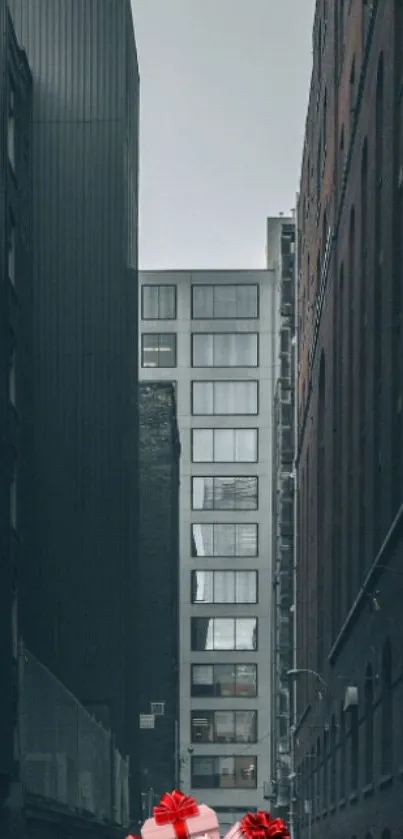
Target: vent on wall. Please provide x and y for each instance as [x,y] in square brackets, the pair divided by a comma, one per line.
[158,709]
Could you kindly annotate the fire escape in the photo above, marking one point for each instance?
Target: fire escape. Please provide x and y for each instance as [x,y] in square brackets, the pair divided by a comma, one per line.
[284,528]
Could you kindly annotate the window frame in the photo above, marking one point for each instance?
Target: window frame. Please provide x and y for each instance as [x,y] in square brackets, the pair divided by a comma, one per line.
[216,508]
[214,382]
[234,430]
[236,665]
[214,775]
[234,525]
[235,620]
[158,336]
[215,366]
[234,571]
[158,286]
[215,711]
[214,286]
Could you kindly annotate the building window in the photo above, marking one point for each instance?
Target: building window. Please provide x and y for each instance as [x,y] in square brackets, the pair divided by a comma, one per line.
[225,301]
[342,766]
[355,742]
[333,762]
[224,586]
[225,349]
[226,398]
[224,772]
[11,129]
[224,540]
[209,634]
[387,711]
[224,445]
[224,680]
[158,350]
[225,493]
[224,726]
[369,726]
[158,302]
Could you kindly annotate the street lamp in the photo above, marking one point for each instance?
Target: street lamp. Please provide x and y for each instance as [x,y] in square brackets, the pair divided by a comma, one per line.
[297,671]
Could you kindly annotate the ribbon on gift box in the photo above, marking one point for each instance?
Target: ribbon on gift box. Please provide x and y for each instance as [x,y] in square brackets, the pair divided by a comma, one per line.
[174,808]
[261,825]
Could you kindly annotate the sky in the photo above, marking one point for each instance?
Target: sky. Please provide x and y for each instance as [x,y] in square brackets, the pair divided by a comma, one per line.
[224,91]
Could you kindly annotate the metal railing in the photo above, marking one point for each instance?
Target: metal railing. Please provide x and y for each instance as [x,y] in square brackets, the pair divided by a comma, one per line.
[66,755]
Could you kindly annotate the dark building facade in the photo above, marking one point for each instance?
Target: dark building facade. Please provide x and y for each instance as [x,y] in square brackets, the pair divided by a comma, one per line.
[349,735]
[15,359]
[158,574]
[79,623]
[283,531]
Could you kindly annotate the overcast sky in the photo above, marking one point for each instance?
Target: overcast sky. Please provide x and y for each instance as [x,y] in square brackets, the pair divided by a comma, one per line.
[224,90]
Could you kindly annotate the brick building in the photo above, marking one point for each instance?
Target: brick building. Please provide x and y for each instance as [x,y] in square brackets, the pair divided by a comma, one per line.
[349,735]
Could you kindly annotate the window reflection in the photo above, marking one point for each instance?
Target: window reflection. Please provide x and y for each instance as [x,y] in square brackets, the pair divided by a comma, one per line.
[224,587]
[223,634]
[225,301]
[221,398]
[158,302]
[224,445]
[224,772]
[224,540]
[158,350]
[224,680]
[225,493]
[212,726]
[225,349]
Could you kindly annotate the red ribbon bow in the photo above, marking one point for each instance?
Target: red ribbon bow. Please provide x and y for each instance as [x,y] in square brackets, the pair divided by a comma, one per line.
[261,825]
[174,808]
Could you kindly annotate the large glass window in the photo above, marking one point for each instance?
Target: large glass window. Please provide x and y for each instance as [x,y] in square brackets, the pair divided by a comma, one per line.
[225,493]
[224,539]
[158,350]
[232,398]
[224,445]
[158,302]
[224,680]
[223,634]
[225,301]
[224,586]
[225,349]
[224,772]
[224,726]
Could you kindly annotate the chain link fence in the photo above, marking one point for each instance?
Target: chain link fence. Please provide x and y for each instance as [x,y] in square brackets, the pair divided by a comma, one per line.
[67,756]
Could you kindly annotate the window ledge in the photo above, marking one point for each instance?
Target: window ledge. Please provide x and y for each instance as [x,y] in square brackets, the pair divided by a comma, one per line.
[368,790]
[332,808]
[353,797]
[386,781]
[342,803]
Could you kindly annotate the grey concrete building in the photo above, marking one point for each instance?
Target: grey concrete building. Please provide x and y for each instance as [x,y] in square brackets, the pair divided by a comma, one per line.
[215,334]
[15,378]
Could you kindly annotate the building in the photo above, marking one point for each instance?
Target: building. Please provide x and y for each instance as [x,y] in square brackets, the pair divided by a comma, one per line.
[84,505]
[214,334]
[283,533]
[158,591]
[15,355]
[348,735]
